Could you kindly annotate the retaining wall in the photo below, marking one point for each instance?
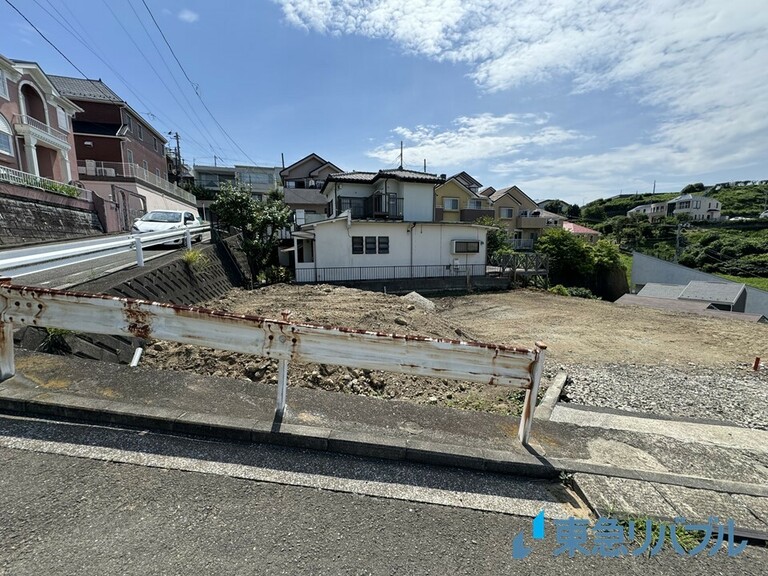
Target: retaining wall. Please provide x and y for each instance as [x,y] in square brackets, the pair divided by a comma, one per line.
[31,216]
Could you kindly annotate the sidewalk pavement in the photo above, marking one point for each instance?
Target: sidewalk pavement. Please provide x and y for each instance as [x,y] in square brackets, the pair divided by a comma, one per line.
[620,463]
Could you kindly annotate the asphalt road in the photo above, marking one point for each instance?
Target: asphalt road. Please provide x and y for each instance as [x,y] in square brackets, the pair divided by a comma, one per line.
[67,508]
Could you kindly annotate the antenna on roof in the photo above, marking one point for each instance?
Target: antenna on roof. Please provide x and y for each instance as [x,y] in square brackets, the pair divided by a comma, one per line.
[425,164]
[401,155]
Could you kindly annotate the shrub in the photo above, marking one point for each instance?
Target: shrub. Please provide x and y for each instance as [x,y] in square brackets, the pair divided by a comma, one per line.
[560,290]
[579,292]
[195,259]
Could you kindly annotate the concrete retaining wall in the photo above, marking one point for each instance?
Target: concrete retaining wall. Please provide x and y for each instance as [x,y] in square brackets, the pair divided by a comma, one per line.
[39,216]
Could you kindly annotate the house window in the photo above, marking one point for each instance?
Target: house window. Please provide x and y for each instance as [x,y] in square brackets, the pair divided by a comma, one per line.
[474,204]
[507,213]
[450,203]
[370,244]
[128,122]
[129,156]
[383,244]
[697,204]
[6,137]
[61,118]
[524,213]
[357,244]
[4,86]
[145,165]
[140,131]
[154,143]
[466,247]
[157,172]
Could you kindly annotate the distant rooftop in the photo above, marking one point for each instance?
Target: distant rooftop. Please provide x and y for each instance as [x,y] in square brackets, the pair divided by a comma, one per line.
[666,291]
[74,88]
[722,293]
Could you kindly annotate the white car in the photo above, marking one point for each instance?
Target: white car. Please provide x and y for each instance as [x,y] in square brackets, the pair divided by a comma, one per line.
[764,214]
[166,220]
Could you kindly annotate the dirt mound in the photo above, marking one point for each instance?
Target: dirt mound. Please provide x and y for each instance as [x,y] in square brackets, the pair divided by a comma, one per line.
[339,306]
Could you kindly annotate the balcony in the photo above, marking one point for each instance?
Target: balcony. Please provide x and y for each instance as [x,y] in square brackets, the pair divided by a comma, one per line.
[25,125]
[520,244]
[93,170]
[473,214]
[537,222]
[376,207]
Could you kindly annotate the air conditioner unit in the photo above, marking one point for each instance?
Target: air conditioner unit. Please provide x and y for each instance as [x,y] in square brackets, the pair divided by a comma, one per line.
[90,167]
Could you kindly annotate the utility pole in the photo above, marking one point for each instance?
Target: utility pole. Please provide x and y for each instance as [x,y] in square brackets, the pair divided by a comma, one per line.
[178,154]
[677,241]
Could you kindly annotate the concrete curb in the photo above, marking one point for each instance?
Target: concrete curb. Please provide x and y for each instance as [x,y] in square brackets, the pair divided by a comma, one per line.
[110,413]
[547,405]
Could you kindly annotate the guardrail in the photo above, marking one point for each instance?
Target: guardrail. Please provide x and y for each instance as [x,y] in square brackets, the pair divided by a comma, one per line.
[56,257]
[277,339]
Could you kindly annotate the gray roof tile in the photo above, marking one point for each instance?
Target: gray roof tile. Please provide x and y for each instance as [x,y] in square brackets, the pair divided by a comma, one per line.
[720,292]
[74,88]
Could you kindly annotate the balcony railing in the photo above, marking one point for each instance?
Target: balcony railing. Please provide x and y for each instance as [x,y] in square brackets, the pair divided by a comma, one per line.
[106,170]
[27,120]
[520,244]
[380,206]
[31,181]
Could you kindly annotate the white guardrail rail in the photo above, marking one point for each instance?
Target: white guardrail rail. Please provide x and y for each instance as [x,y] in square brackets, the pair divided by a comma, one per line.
[278,339]
[58,256]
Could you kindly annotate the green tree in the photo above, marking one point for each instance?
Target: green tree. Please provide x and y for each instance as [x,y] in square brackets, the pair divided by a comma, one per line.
[593,213]
[570,258]
[498,235]
[574,211]
[503,258]
[260,222]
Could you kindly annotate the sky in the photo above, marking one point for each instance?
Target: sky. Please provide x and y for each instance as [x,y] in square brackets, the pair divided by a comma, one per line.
[569,99]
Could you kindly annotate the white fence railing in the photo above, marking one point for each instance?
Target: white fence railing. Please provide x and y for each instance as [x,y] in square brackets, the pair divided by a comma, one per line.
[38,125]
[50,257]
[20,178]
[100,169]
[278,339]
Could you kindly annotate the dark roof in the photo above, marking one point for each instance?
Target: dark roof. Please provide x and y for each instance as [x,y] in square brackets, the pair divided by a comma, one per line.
[323,162]
[503,191]
[74,88]
[397,174]
[304,196]
[467,177]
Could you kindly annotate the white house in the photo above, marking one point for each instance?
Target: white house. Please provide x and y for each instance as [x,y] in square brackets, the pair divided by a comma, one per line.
[344,249]
[697,207]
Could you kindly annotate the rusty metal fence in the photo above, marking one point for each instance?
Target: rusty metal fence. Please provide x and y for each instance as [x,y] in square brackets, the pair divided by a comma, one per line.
[281,340]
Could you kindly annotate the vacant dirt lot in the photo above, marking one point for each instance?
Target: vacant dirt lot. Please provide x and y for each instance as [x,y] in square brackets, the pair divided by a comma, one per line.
[577,332]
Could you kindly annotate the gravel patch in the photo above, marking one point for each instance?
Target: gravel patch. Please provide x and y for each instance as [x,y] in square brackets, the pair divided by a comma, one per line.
[732,394]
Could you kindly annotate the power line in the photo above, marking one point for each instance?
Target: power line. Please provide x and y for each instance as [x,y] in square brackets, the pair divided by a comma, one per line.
[97,85]
[152,67]
[173,77]
[46,39]
[194,86]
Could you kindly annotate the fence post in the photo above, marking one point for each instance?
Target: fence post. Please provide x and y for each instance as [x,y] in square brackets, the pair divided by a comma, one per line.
[139,253]
[188,239]
[282,386]
[7,365]
[529,405]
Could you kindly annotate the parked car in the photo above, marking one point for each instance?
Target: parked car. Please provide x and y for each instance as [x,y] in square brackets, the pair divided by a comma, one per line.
[764,214]
[166,220]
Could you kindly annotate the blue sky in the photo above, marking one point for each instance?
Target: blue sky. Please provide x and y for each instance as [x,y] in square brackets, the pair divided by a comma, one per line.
[575,99]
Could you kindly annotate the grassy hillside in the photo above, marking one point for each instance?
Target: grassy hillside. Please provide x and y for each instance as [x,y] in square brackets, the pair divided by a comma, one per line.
[745,201]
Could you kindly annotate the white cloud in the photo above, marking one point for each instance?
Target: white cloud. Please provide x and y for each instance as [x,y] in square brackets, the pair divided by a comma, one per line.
[473,137]
[700,65]
[188,16]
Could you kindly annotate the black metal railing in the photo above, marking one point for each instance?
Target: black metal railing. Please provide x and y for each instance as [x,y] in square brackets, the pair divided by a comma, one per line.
[379,206]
